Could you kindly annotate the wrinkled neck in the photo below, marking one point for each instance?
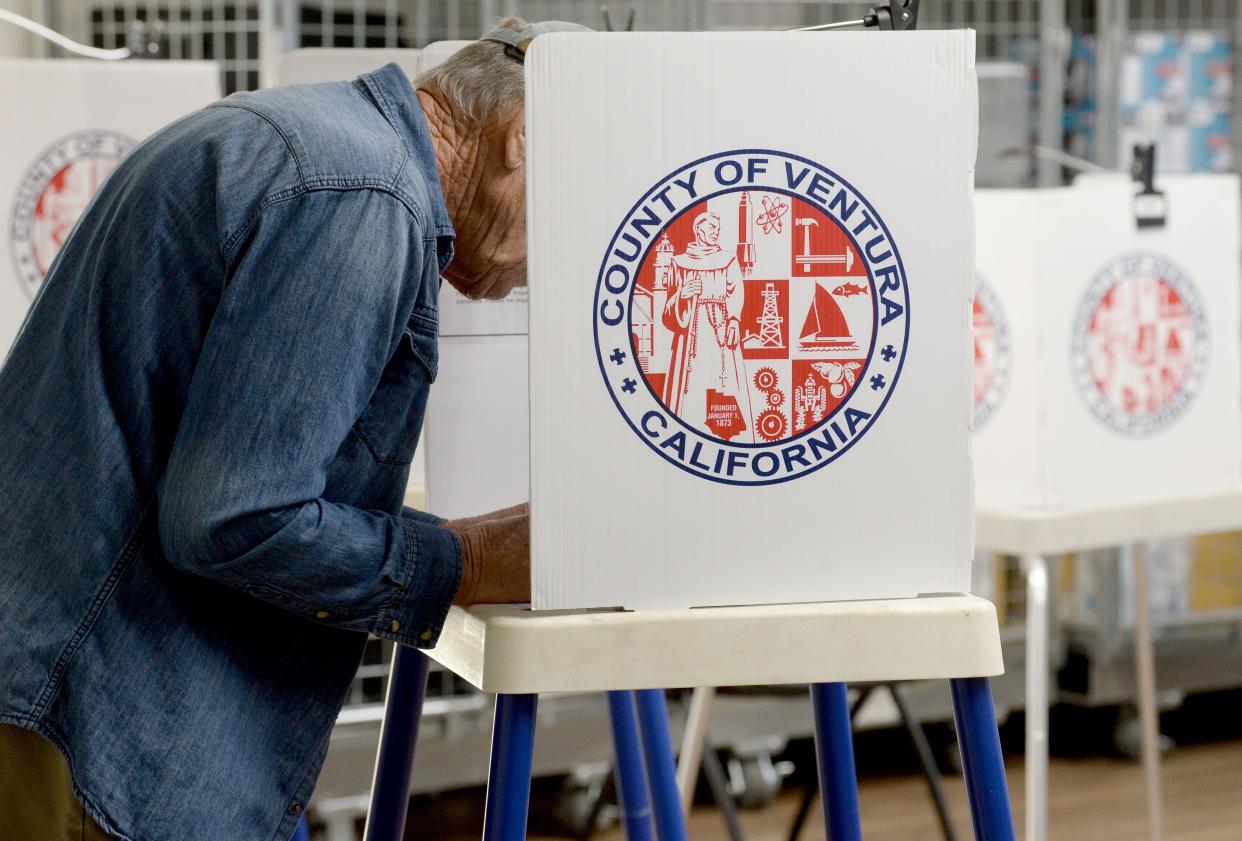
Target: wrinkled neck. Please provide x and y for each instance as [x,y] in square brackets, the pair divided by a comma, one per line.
[457,155]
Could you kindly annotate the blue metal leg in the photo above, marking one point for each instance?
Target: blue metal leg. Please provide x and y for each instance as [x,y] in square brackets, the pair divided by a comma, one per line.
[302,833]
[631,775]
[390,790]
[834,742]
[661,769]
[508,781]
[982,763]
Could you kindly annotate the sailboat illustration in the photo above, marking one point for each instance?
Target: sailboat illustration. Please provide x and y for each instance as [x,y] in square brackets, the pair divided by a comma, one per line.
[825,328]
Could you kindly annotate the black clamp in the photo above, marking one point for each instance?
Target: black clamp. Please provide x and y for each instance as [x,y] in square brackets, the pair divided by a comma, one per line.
[897,17]
[901,15]
[1151,209]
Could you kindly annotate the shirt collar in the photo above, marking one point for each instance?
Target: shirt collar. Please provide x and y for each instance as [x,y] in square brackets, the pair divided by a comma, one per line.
[391,88]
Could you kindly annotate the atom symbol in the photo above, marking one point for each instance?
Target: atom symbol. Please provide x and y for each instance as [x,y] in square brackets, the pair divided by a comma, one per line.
[770,219]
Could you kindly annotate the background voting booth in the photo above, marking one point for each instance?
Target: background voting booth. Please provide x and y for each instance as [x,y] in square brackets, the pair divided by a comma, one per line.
[1108,398]
[69,123]
[749,385]
[1107,355]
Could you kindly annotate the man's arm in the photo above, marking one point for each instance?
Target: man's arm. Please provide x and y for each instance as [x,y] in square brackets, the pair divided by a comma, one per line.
[302,333]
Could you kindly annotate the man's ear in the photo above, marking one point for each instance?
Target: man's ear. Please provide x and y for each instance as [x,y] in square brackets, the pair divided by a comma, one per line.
[515,141]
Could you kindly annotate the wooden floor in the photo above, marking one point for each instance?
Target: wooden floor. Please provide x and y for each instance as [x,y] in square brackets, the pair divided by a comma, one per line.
[1091,800]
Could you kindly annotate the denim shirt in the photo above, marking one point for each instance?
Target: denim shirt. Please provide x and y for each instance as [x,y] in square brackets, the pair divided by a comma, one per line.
[206,427]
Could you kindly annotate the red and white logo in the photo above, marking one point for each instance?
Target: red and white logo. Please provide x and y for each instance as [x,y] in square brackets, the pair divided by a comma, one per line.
[1141,344]
[52,195]
[993,353]
[753,308]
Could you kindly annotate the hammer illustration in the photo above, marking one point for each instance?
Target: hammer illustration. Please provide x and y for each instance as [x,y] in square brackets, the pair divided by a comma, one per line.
[805,222]
[806,259]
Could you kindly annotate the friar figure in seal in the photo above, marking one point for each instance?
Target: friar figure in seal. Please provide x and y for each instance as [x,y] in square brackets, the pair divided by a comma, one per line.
[704,314]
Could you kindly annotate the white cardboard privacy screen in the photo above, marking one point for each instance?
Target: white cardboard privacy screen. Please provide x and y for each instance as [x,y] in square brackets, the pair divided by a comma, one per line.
[306,66]
[1124,344]
[67,124]
[477,434]
[751,268]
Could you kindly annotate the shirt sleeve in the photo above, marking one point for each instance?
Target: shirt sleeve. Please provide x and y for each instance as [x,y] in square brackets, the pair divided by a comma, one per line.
[316,302]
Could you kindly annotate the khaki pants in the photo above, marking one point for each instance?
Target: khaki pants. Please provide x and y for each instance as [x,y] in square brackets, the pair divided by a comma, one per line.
[36,800]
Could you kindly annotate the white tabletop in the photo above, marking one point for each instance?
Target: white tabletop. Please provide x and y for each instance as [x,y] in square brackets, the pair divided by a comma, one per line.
[515,650]
[1048,531]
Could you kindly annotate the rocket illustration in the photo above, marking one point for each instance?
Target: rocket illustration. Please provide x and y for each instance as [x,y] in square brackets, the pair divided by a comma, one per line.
[745,236]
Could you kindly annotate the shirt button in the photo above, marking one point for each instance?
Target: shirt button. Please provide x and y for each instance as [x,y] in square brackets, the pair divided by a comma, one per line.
[323,614]
[426,635]
[295,808]
[394,626]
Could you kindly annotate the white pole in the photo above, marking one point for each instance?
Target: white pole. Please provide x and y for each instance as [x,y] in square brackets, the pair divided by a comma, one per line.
[692,739]
[1145,672]
[1036,698]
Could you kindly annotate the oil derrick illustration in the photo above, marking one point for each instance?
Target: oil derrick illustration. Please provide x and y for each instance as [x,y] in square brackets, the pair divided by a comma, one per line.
[770,321]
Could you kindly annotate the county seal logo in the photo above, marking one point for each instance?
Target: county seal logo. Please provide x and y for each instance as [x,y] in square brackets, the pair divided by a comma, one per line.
[993,353]
[751,317]
[52,195]
[1140,344]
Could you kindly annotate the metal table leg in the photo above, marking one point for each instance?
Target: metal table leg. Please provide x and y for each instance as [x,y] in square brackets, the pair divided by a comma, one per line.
[1037,669]
[1145,674]
[632,790]
[661,769]
[982,763]
[508,780]
[834,750]
[403,708]
[719,784]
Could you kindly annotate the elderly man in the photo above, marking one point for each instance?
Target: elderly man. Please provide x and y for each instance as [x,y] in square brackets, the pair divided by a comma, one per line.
[206,427]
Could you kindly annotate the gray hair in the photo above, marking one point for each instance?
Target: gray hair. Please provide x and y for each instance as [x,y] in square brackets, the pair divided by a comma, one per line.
[480,81]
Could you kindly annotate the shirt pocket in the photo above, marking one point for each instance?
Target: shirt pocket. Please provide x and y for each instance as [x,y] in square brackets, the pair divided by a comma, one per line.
[391,423]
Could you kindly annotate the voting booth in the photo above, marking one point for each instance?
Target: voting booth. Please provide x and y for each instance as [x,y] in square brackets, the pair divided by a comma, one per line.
[1107,400]
[67,125]
[749,385]
[1107,353]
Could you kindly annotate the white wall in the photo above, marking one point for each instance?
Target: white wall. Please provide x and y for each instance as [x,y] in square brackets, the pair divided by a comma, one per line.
[14,41]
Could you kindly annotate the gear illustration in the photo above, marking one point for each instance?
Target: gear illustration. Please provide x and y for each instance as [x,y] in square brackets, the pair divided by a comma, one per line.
[771,425]
[776,398]
[765,379]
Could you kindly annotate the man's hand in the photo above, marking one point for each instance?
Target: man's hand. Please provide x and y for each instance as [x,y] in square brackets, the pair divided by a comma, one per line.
[692,288]
[732,333]
[495,551]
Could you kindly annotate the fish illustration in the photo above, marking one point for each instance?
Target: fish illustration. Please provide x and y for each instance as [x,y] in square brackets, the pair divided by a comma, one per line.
[847,290]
